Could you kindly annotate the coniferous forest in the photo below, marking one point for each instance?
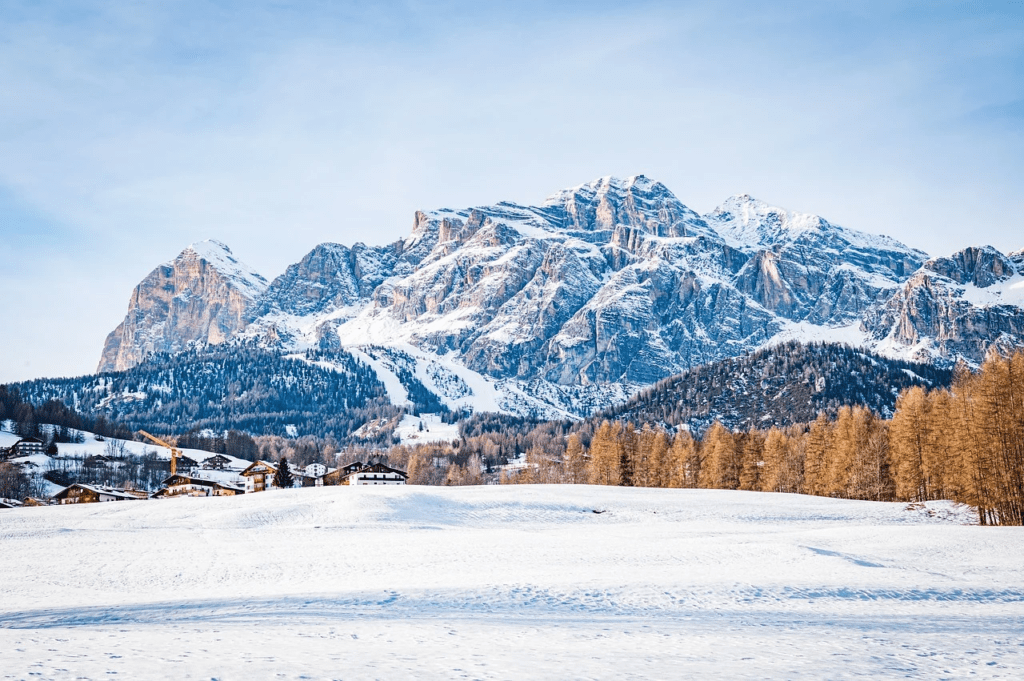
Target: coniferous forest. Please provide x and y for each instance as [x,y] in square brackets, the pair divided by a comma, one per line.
[964,443]
[218,388]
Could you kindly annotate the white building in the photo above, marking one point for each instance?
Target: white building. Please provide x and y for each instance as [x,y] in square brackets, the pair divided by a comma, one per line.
[376,474]
[316,470]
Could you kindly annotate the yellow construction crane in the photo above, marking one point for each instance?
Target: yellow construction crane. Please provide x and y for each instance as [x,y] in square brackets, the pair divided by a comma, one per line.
[175,452]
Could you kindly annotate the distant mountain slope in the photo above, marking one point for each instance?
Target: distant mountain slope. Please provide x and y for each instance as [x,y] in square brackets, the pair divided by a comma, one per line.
[958,306]
[225,387]
[779,386]
[555,310]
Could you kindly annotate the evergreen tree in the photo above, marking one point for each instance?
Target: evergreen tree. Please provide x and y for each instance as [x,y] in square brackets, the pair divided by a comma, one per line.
[656,444]
[283,476]
[606,455]
[751,460]
[908,433]
[815,451]
[773,476]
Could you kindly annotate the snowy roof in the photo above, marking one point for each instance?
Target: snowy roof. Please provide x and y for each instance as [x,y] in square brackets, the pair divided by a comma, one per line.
[178,479]
[99,489]
[377,468]
[251,468]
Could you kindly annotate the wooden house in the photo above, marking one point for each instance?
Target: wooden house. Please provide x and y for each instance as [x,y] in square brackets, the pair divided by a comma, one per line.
[186,485]
[26,446]
[10,503]
[96,461]
[259,476]
[29,445]
[376,474]
[91,494]
[36,501]
[186,463]
[217,462]
[337,476]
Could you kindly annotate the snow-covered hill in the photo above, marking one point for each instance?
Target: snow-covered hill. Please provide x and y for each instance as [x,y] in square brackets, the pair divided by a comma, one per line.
[509,582]
[575,304]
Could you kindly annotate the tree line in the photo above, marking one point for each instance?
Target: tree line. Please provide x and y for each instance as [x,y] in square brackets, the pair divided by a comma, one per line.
[964,443]
[778,386]
[236,386]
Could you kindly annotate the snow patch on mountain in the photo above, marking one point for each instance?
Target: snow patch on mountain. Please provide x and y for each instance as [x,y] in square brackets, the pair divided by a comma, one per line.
[747,223]
[245,279]
[804,332]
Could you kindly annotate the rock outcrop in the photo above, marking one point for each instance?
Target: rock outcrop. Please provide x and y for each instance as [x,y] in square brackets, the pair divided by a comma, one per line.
[204,295]
[954,308]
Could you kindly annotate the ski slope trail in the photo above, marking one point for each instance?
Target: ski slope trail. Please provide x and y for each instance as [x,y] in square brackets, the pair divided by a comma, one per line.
[509,582]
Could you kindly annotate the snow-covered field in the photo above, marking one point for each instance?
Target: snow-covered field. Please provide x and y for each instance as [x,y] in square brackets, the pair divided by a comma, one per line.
[508,582]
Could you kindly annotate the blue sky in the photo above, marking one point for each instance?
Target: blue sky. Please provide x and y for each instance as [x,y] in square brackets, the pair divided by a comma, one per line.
[129,130]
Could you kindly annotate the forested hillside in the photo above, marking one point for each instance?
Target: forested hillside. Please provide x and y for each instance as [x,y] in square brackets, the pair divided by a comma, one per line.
[237,386]
[328,393]
[778,386]
[964,443]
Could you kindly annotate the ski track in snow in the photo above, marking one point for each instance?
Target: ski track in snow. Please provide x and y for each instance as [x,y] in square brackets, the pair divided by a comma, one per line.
[508,582]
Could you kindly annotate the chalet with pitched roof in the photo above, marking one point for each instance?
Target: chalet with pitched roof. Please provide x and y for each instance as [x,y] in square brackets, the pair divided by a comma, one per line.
[336,476]
[29,445]
[26,446]
[79,493]
[186,485]
[217,462]
[376,474]
[259,476]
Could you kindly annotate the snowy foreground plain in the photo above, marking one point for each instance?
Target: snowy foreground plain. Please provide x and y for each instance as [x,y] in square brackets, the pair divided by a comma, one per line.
[508,582]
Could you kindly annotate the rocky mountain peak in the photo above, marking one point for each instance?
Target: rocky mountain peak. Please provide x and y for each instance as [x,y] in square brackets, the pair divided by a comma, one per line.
[637,202]
[746,223]
[204,294]
[605,287]
[982,266]
[217,255]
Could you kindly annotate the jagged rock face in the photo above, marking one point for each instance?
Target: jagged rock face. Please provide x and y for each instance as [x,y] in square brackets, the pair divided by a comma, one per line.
[203,295]
[328,278]
[806,268]
[614,282]
[619,281]
[954,308]
[979,266]
[638,202]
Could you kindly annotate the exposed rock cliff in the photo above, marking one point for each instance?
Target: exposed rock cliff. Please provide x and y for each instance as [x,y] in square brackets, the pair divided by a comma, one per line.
[205,295]
[954,308]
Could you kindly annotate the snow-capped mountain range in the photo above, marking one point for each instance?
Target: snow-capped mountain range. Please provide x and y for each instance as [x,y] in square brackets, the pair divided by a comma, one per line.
[559,309]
